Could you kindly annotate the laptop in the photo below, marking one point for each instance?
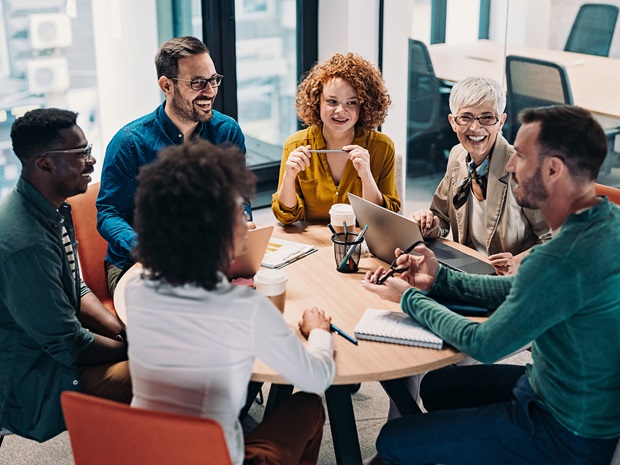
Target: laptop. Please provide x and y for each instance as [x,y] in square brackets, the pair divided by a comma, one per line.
[246,265]
[388,230]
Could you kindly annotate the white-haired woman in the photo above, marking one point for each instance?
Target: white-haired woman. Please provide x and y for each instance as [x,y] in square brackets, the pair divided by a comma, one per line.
[475,197]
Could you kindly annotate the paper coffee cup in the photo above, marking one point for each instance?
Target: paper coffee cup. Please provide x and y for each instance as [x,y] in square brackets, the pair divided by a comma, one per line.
[272,284]
[342,213]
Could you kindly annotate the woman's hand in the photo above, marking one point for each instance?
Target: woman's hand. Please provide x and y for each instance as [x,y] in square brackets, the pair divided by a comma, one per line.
[428,222]
[314,318]
[504,263]
[360,158]
[298,160]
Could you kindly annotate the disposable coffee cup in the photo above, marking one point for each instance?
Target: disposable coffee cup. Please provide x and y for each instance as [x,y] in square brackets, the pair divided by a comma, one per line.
[272,284]
[342,213]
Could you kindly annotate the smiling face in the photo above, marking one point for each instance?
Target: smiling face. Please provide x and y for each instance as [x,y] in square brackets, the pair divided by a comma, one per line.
[477,139]
[525,165]
[193,106]
[70,172]
[340,108]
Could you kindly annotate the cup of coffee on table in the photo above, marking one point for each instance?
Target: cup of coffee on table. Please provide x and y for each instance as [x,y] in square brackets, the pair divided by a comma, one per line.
[272,284]
[340,213]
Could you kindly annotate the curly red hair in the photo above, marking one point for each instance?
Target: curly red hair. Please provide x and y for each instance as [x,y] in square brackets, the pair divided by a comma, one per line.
[365,78]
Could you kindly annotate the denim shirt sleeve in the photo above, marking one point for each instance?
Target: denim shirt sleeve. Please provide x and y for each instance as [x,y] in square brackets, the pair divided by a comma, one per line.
[38,303]
[116,195]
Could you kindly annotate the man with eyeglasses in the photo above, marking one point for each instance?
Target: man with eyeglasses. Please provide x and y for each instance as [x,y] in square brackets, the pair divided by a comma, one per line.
[475,199]
[188,78]
[45,307]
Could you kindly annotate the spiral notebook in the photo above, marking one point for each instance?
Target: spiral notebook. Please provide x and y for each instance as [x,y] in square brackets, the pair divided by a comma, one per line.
[395,328]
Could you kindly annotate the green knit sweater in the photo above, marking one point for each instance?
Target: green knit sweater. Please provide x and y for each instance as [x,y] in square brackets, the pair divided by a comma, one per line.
[566,299]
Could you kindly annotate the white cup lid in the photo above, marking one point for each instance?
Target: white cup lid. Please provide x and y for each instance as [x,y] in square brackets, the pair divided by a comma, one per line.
[270,282]
[267,276]
[341,209]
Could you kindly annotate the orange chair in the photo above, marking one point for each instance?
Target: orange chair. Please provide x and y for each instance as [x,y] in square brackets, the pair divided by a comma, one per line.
[92,247]
[612,193]
[103,432]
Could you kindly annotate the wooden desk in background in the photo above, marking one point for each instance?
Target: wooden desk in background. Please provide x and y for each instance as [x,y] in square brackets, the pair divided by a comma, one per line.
[593,79]
[314,281]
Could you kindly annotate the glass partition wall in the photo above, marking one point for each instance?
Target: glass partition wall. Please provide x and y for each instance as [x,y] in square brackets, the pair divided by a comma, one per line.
[472,37]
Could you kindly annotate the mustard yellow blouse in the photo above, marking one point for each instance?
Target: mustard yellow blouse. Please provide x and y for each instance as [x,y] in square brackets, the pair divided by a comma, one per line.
[315,187]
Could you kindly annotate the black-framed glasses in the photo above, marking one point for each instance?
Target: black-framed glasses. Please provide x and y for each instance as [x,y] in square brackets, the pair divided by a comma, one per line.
[84,152]
[484,120]
[200,83]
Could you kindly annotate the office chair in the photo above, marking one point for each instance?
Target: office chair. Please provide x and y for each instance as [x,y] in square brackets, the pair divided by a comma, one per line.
[612,193]
[427,121]
[593,29]
[533,83]
[92,247]
[538,83]
[104,432]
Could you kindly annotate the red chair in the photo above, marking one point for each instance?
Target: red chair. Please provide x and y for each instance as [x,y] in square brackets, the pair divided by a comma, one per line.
[612,193]
[103,432]
[92,247]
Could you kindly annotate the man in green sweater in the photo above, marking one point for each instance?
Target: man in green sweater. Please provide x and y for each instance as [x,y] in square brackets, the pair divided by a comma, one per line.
[564,408]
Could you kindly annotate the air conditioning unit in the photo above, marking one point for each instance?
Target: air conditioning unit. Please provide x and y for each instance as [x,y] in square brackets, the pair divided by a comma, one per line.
[50,30]
[48,74]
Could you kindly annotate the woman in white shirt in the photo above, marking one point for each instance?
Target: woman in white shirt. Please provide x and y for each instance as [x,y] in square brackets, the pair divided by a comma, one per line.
[194,336]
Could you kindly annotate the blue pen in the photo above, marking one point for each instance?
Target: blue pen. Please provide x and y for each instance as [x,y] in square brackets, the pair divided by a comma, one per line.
[340,332]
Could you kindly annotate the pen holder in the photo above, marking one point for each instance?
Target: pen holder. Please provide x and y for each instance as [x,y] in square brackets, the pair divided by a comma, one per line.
[347,252]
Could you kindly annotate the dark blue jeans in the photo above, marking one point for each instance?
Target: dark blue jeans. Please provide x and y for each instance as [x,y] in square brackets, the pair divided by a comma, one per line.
[494,418]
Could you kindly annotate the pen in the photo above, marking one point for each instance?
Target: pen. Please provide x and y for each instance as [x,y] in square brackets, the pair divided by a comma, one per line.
[389,273]
[340,332]
[346,233]
[349,252]
[332,229]
[393,269]
[327,151]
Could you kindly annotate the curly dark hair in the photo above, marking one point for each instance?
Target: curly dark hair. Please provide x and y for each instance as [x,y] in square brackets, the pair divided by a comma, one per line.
[34,133]
[572,134]
[169,53]
[365,78]
[186,208]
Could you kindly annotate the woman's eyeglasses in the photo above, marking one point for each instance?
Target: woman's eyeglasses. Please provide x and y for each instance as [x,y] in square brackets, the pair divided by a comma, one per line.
[484,120]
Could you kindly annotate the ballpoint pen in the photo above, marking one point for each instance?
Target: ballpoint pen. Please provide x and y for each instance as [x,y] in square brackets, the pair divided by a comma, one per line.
[340,332]
[393,268]
[331,228]
[351,249]
[327,151]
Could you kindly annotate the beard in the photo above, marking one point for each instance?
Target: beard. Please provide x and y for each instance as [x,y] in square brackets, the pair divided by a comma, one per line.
[186,111]
[533,191]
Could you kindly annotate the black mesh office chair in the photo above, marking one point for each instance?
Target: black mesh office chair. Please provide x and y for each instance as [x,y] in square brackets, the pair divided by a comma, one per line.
[533,83]
[593,29]
[538,83]
[427,118]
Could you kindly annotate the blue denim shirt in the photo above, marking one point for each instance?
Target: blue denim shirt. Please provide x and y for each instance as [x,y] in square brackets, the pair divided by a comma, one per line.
[135,145]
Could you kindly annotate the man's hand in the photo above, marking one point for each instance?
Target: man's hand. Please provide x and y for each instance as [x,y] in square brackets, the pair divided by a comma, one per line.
[392,289]
[417,271]
[314,318]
